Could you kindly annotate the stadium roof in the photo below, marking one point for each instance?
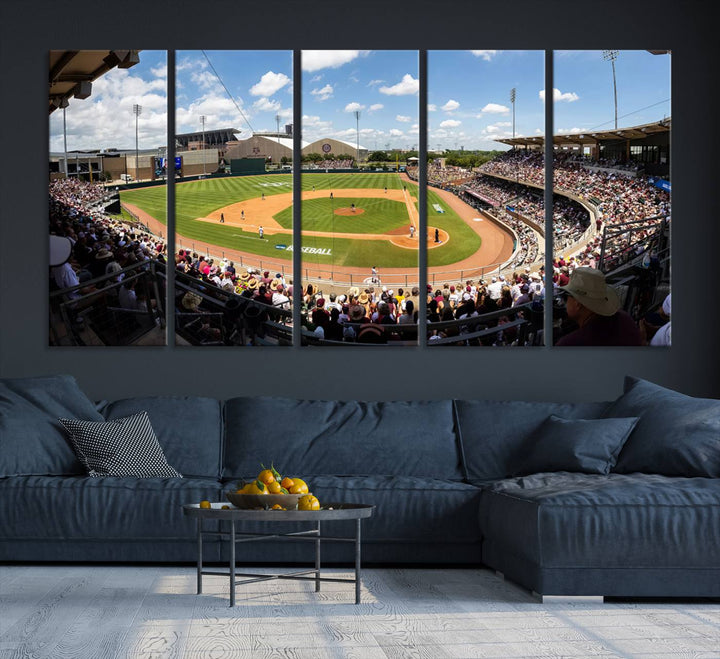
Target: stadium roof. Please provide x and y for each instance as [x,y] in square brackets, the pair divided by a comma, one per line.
[72,72]
[594,137]
[283,141]
[214,137]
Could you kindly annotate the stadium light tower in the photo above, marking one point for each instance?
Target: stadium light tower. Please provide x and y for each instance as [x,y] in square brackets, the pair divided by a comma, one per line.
[513,93]
[357,125]
[202,119]
[612,56]
[137,111]
[277,123]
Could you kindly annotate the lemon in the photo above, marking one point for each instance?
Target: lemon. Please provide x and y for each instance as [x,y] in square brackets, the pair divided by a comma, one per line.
[205,504]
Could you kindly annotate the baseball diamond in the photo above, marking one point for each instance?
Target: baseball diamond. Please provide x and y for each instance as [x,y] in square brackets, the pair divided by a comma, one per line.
[350,222]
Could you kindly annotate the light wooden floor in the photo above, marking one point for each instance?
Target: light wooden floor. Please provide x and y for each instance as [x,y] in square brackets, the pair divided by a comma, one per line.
[83,612]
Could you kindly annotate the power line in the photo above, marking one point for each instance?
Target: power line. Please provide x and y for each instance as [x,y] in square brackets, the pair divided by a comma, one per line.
[230,96]
[628,114]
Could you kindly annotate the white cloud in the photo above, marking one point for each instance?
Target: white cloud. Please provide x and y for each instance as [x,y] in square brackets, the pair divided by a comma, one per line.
[266,105]
[160,71]
[396,133]
[450,106]
[432,107]
[494,108]
[415,129]
[450,123]
[403,118]
[269,84]
[375,107]
[373,83]
[492,129]
[314,60]
[408,85]
[324,93]
[353,107]
[503,123]
[204,80]
[568,97]
[316,78]
[568,131]
[539,131]
[487,55]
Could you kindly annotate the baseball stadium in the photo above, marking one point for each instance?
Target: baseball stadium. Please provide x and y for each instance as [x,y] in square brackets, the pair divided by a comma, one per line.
[233,276]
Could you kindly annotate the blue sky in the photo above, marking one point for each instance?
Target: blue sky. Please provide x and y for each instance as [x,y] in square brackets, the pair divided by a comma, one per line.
[260,83]
[643,89]
[468,96]
[106,119]
[382,85]
[469,93]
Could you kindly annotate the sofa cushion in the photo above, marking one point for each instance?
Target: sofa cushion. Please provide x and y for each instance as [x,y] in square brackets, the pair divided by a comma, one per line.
[309,438]
[408,509]
[121,447]
[493,434]
[677,435]
[100,509]
[189,429]
[32,440]
[589,446]
[565,520]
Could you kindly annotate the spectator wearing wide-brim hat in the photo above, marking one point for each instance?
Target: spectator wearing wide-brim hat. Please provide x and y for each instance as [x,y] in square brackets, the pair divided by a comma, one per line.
[191,301]
[252,283]
[595,306]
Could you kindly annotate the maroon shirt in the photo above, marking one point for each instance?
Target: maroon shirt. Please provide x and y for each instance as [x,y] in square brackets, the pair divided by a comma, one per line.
[616,330]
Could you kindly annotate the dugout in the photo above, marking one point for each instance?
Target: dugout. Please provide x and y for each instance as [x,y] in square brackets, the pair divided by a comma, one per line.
[247,166]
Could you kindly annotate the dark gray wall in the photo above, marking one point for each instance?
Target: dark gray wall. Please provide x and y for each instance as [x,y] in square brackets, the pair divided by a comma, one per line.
[29,30]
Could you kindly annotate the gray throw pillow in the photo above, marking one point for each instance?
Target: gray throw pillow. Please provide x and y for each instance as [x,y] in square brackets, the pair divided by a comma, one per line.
[121,447]
[589,446]
[677,435]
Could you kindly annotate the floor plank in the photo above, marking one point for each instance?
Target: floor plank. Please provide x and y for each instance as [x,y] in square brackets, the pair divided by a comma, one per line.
[92,612]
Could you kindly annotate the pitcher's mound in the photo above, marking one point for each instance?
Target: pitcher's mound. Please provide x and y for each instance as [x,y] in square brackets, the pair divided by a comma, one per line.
[349,211]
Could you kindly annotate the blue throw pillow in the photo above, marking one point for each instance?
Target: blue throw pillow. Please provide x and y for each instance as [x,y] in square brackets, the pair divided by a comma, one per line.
[677,435]
[32,441]
[589,446]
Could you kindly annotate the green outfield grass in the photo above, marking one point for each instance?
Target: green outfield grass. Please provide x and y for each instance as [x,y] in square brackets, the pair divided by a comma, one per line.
[200,198]
[378,216]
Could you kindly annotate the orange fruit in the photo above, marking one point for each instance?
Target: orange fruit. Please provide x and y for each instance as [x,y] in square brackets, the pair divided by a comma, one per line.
[256,487]
[205,504]
[274,487]
[287,482]
[299,487]
[308,502]
[266,476]
[225,507]
[277,506]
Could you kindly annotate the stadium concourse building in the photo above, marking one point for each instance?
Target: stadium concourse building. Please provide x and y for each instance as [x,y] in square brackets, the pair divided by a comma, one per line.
[647,145]
[276,146]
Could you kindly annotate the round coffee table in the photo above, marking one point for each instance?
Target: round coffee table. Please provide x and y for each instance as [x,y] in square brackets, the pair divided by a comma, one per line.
[329,513]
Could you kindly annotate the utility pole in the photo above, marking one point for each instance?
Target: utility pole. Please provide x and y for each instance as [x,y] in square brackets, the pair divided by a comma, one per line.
[612,56]
[137,111]
[202,119]
[357,124]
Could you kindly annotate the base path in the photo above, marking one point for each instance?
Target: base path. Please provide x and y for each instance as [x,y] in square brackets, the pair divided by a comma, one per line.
[496,247]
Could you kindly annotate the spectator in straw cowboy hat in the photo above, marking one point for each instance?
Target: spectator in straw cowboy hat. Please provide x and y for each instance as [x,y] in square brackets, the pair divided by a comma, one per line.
[191,302]
[595,307]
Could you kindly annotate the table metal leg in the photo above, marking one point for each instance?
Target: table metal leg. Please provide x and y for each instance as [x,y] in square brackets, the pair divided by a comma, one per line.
[317,560]
[232,562]
[357,561]
[200,556]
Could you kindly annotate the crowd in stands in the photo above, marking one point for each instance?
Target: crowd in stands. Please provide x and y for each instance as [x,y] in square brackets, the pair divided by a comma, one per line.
[330,163]
[209,275]
[101,244]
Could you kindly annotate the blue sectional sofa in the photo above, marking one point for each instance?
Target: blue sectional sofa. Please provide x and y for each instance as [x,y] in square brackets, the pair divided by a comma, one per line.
[463,482]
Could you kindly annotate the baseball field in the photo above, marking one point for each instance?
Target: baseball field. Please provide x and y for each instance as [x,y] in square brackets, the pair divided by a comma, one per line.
[349,220]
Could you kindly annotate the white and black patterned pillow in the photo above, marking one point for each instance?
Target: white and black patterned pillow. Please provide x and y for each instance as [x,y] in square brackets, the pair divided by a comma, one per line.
[121,447]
